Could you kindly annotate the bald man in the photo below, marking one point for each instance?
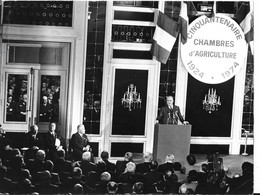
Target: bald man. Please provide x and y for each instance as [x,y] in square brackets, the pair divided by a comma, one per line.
[79,143]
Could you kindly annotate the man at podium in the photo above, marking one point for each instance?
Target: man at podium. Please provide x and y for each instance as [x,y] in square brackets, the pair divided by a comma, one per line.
[170,114]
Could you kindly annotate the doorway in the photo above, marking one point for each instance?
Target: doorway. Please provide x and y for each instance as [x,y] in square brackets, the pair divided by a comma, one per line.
[35,86]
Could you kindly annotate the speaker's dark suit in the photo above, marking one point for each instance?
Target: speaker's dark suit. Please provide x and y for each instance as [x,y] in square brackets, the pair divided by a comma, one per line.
[175,114]
[77,143]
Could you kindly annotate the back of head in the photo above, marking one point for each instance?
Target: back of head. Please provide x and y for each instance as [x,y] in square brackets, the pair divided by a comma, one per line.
[77,172]
[104,155]
[128,156]
[3,171]
[169,176]
[61,153]
[177,166]
[130,167]
[26,174]
[46,176]
[86,156]
[192,176]
[78,188]
[105,176]
[210,157]
[17,162]
[138,188]
[112,187]
[204,167]
[169,158]
[147,157]
[183,189]
[40,155]
[49,165]
[34,129]
[247,168]
[154,165]
[191,159]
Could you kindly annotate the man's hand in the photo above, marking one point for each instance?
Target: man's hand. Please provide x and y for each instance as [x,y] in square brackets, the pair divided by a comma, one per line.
[186,122]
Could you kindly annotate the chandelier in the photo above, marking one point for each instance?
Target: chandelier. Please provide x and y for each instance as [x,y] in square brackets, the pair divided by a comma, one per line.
[211,101]
[131,98]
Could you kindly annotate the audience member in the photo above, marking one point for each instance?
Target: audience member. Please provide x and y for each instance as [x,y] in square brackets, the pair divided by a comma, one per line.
[68,184]
[151,178]
[61,165]
[177,167]
[168,165]
[138,188]
[110,166]
[101,186]
[78,189]
[129,175]
[21,108]
[146,165]
[121,164]
[45,110]
[244,183]
[170,181]
[192,180]
[85,165]
[112,187]
[45,186]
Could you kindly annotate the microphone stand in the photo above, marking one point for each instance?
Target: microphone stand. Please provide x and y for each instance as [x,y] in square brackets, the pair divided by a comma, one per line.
[246,134]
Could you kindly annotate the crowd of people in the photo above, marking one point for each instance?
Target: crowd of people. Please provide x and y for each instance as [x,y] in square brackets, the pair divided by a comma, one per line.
[17,96]
[37,170]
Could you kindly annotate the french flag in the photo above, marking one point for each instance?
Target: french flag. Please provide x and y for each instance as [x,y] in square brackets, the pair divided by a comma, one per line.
[166,32]
[245,18]
[183,22]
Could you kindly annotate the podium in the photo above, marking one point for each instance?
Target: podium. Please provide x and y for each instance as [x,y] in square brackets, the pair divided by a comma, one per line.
[171,139]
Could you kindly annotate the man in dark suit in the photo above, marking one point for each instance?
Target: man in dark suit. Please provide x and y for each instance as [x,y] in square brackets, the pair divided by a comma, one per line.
[52,143]
[110,167]
[168,165]
[79,143]
[145,166]
[170,114]
[33,141]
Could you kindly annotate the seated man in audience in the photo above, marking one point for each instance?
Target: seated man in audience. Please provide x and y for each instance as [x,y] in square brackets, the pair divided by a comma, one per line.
[170,181]
[138,188]
[61,165]
[79,143]
[129,175]
[110,166]
[121,164]
[101,186]
[37,165]
[76,178]
[45,186]
[146,165]
[151,178]
[177,167]
[112,187]
[168,165]
[86,165]
[244,183]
